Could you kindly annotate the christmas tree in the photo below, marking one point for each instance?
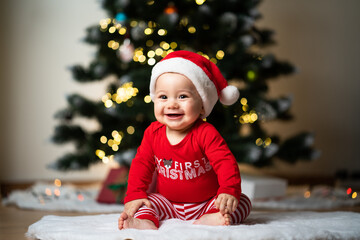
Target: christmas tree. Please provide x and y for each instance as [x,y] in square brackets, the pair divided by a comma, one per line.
[138,34]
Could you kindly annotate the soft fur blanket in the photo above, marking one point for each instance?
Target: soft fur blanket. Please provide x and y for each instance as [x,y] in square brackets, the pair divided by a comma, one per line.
[259,225]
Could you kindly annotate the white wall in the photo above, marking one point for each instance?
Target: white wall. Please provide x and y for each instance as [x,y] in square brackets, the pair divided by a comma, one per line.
[40,38]
[321,38]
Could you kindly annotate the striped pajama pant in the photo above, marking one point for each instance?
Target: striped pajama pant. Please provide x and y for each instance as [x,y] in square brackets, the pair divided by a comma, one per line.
[164,209]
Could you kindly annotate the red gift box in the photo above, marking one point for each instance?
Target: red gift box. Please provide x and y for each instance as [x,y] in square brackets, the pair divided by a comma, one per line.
[114,187]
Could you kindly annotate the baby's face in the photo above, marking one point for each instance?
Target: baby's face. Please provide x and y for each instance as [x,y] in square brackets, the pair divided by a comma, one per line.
[177,103]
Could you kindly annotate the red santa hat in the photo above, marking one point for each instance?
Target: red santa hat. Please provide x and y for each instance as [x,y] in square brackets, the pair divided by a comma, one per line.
[204,74]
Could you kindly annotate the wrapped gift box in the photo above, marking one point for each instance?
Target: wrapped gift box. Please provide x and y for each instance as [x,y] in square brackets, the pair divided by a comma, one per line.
[262,187]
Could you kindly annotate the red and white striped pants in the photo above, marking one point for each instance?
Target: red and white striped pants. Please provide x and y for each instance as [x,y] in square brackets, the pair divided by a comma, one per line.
[164,209]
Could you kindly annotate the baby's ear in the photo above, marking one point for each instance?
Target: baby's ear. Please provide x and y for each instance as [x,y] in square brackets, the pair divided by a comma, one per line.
[202,112]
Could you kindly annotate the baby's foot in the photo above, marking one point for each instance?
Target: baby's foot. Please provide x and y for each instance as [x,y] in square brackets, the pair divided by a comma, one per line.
[126,221]
[214,219]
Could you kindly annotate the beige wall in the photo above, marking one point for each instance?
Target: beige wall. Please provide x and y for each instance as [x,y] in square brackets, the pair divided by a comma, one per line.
[40,38]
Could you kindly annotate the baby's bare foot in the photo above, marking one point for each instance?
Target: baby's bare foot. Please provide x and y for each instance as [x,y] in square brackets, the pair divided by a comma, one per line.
[126,221]
[214,219]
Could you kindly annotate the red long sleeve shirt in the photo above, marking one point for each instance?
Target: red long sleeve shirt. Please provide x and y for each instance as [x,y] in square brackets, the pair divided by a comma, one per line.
[198,168]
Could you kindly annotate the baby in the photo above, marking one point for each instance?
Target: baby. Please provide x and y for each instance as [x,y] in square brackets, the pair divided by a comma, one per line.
[197,175]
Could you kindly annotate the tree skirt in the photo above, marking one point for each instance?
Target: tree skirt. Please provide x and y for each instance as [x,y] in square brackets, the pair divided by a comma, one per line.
[259,225]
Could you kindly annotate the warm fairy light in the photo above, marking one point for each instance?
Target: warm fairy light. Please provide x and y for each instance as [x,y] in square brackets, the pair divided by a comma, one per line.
[151,61]
[133,23]
[220,54]
[259,142]
[307,194]
[253,117]
[142,58]
[243,101]
[148,31]
[164,45]
[112,29]
[57,182]
[103,24]
[150,2]
[125,92]
[152,24]
[48,192]
[113,45]
[173,45]
[245,108]
[122,30]
[200,2]
[151,54]
[147,99]
[103,139]
[349,191]
[214,60]
[149,43]
[80,197]
[354,195]
[192,29]
[251,75]
[100,153]
[57,192]
[267,142]
[108,103]
[159,52]
[105,160]
[130,130]
[115,147]
[162,32]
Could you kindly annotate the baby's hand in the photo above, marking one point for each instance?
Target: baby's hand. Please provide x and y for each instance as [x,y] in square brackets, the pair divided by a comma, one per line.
[132,206]
[225,202]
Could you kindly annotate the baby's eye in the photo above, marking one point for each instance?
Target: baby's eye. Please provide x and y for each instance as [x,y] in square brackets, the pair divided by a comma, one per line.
[183,96]
[162,97]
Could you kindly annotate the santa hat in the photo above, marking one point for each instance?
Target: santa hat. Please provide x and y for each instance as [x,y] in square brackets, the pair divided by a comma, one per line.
[204,74]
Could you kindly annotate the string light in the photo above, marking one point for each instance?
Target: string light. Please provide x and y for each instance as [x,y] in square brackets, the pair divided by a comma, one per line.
[80,197]
[57,182]
[151,61]
[48,192]
[148,31]
[307,194]
[123,94]
[122,30]
[162,32]
[349,191]
[191,29]
[130,130]
[200,2]
[147,99]
[264,143]
[220,54]
[57,192]
[251,75]
[354,195]
[149,43]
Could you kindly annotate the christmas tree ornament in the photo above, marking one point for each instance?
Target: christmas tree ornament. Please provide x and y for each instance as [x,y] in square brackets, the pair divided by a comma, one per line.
[228,22]
[137,32]
[126,51]
[121,4]
[120,17]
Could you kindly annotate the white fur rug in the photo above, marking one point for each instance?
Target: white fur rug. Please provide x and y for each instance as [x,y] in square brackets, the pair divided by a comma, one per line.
[259,225]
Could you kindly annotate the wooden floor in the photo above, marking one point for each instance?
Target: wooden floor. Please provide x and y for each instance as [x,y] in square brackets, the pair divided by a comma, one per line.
[14,222]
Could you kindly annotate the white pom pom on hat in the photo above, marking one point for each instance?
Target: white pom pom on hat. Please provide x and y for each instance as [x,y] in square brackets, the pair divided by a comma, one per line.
[204,74]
